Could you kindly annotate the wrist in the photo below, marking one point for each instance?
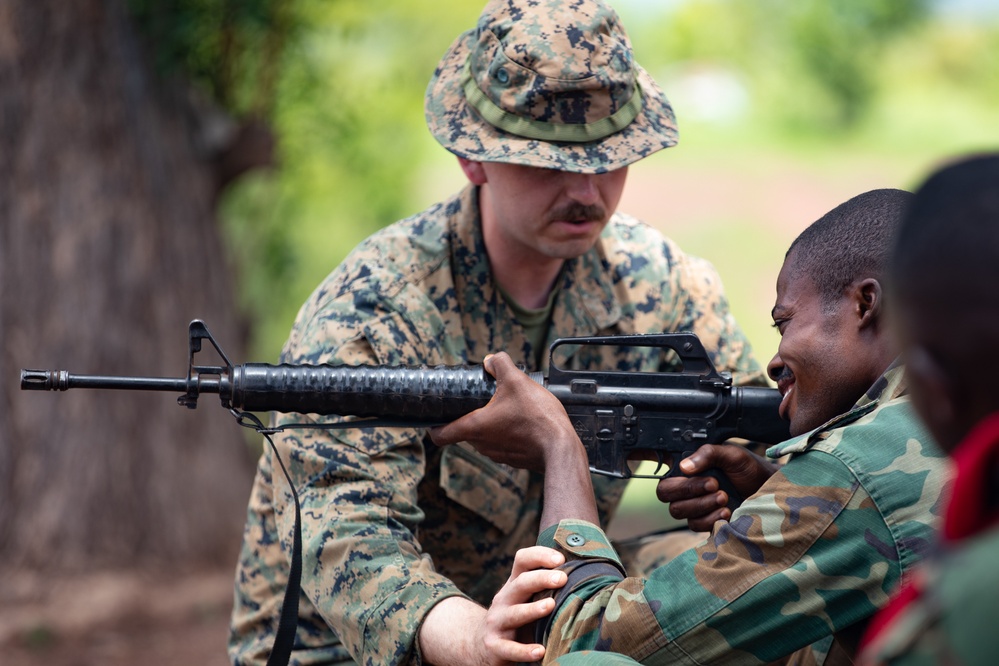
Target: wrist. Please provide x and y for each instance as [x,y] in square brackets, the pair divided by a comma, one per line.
[563,449]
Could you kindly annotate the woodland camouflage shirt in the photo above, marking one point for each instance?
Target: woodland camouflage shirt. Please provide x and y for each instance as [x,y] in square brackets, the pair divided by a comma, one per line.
[817,550]
[391,523]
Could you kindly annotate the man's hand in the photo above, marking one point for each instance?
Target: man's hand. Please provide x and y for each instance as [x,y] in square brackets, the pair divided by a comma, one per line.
[698,499]
[525,426]
[511,616]
[458,631]
[521,426]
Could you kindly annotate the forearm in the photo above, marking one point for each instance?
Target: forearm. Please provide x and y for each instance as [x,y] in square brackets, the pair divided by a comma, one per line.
[568,488]
[450,634]
[723,597]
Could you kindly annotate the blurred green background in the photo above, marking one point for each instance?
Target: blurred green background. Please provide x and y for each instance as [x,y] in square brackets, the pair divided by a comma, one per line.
[785,110]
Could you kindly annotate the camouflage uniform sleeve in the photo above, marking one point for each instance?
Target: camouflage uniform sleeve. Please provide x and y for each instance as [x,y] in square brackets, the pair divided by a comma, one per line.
[804,557]
[701,306]
[363,567]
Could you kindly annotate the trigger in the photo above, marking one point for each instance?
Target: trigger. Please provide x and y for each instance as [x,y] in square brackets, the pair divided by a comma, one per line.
[659,464]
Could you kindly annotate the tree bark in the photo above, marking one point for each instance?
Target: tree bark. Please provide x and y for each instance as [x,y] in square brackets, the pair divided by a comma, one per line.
[108,248]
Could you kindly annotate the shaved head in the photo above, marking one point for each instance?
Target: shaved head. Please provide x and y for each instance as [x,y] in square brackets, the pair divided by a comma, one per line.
[851,242]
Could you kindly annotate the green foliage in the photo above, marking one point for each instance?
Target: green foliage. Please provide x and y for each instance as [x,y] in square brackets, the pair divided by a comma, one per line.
[837,45]
[812,64]
[228,48]
[341,83]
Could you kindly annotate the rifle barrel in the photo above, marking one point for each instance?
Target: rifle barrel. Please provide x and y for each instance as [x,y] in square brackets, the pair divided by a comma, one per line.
[60,380]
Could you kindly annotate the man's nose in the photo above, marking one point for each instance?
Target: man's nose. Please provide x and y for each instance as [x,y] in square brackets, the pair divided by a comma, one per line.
[775,367]
[582,187]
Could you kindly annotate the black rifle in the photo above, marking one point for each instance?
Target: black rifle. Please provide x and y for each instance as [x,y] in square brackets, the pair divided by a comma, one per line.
[619,416]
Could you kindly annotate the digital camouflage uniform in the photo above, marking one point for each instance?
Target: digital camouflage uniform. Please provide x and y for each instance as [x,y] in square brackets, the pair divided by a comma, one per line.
[946,613]
[392,524]
[814,552]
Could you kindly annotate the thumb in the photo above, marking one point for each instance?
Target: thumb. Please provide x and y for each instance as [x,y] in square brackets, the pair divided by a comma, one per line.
[458,430]
[499,365]
[704,458]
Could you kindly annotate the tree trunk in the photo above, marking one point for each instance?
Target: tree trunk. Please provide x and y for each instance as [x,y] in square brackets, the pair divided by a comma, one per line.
[108,248]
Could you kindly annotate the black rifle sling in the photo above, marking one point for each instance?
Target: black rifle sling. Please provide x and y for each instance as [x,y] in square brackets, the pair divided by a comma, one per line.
[284,640]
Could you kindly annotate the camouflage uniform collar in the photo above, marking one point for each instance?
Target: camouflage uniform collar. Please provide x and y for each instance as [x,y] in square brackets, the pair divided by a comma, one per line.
[890,386]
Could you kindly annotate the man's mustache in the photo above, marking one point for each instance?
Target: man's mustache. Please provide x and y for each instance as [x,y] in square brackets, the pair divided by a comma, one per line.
[578,212]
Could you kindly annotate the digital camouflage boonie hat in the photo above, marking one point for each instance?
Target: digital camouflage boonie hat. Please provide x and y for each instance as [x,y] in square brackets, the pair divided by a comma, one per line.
[548,83]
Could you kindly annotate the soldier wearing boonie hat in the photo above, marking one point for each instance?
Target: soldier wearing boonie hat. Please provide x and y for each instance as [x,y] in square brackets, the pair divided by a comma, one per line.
[553,86]
[404,542]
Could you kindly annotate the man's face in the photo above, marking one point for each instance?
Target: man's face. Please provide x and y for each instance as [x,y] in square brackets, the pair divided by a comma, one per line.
[821,367]
[546,213]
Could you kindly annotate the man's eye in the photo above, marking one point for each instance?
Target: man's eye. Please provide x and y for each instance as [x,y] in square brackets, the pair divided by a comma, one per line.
[779,325]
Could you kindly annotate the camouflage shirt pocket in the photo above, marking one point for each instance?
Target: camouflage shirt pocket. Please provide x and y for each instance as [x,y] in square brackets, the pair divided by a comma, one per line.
[493,491]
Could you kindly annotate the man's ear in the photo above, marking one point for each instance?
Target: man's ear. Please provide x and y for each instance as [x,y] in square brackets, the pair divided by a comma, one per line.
[473,171]
[868,299]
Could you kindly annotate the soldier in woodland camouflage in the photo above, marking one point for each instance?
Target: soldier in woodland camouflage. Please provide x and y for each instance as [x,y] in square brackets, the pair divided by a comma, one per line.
[795,572]
[406,542]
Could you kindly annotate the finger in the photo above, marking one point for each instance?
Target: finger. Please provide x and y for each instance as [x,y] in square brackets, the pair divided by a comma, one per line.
[698,507]
[512,651]
[536,557]
[506,620]
[730,458]
[521,589]
[705,523]
[515,616]
[457,431]
[705,457]
[499,365]
[439,435]
[679,488]
[487,363]
[516,596]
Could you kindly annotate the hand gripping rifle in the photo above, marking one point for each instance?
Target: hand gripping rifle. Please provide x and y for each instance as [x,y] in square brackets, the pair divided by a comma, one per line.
[619,416]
